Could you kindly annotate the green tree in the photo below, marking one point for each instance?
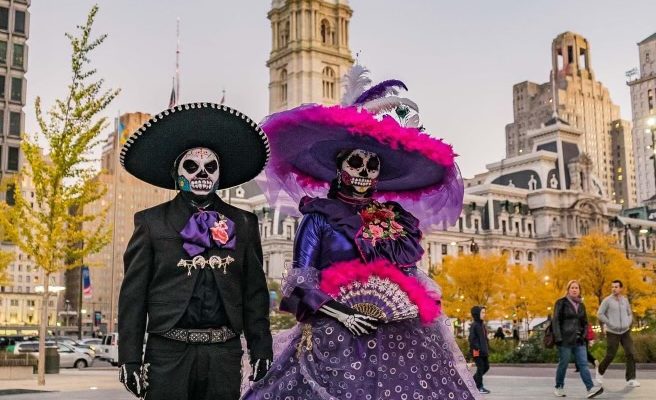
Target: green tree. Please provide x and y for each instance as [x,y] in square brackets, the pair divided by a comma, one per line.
[52,231]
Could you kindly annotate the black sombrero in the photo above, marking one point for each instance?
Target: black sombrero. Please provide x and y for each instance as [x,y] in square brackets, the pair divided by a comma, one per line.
[243,149]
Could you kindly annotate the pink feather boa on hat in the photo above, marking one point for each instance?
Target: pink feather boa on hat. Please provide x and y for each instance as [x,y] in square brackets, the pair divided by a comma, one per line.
[343,273]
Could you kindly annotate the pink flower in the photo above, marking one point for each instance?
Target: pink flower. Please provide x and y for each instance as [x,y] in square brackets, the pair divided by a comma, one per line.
[220,232]
[396,226]
[384,224]
[376,231]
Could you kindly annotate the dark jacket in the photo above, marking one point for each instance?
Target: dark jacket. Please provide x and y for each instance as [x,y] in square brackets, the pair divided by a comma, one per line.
[156,290]
[478,333]
[569,325]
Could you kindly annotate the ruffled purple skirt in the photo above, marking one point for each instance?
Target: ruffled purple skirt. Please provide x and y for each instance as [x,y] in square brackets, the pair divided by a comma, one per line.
[401,360]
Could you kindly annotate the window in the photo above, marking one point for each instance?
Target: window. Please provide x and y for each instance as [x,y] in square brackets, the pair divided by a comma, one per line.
[15,123]
[17,89]
[283,86]
[3,52]
[14,302]
[12,159]
[327,36]
[17,56]
[2,87]
[444,250]
[328,83]
[19,22]
[284,35]
[10,195]
[4,18]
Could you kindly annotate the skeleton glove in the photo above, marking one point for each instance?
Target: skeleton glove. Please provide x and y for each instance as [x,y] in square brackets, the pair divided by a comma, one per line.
[135,378]
[260,368]
[355,322]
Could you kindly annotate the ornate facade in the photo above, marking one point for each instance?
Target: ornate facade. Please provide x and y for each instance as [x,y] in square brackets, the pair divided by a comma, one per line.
[584,103]
[309,52]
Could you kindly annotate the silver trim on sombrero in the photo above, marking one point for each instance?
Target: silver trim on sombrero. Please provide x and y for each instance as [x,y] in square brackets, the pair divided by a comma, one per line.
[132,138]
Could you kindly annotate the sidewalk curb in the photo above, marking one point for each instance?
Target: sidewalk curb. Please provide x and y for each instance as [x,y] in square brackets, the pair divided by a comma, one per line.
[621,366]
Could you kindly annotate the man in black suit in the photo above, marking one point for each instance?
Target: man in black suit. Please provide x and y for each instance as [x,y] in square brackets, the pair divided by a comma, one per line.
[193,267]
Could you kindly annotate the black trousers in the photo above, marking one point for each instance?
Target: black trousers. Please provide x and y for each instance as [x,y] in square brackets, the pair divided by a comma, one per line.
[181,371]
[482,366]
[614,342]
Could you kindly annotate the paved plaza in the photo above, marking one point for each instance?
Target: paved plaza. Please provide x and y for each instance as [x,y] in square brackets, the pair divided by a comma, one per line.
[526,383]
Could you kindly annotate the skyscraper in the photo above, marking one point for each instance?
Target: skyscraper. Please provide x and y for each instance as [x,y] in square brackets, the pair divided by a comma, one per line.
[643,107]
[14,29]
[581,101]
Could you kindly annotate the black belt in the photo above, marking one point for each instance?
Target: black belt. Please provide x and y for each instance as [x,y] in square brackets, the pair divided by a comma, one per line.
[218,335]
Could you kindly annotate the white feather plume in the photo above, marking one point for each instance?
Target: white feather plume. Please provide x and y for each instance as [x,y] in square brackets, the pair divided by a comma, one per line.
[413,121]
[389,103]
[355,82]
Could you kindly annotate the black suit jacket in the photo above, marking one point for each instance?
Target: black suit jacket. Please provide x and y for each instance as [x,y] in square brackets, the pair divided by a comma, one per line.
[155,290]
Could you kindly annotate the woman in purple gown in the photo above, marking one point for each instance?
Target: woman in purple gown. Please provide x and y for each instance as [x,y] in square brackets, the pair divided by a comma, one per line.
[366,161]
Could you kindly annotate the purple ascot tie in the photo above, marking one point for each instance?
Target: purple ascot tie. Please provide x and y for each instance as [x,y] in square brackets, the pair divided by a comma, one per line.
[205,228]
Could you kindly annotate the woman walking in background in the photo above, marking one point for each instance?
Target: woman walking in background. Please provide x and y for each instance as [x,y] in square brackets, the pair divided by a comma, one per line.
[569,324]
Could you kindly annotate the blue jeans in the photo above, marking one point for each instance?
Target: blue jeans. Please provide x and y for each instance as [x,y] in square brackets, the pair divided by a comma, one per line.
[581,359]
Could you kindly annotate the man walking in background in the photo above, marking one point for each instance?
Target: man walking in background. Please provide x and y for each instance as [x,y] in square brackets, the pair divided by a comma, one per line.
[615,313]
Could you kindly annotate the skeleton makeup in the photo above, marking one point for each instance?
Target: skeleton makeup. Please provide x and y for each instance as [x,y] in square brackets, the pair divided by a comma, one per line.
[358,173]
[198,171]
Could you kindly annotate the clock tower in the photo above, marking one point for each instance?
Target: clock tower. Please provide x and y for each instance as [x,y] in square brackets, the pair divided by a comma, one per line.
[309,52]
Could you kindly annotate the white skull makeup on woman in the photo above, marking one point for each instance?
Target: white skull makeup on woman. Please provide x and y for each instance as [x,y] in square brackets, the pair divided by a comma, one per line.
[198,171]
[358,172]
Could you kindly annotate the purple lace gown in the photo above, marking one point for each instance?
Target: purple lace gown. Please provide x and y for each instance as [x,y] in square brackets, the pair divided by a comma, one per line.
[320,359]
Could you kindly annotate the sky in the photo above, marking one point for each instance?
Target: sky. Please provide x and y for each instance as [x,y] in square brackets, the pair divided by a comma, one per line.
[459,59]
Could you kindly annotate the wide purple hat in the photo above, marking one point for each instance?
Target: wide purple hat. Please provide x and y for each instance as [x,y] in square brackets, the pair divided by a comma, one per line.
[417,169]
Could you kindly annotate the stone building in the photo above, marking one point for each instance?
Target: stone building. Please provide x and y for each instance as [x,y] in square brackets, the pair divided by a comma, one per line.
[125,196]
[643,107]
[581,101]
[536,205]
[309,52]
[14,32]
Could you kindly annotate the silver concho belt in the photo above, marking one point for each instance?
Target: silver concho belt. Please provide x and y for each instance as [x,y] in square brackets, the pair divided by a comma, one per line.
[202,336]
[200,262]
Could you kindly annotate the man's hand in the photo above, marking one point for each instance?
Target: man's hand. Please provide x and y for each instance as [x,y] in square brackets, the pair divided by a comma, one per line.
[355,322]
[135,378]
[260,367]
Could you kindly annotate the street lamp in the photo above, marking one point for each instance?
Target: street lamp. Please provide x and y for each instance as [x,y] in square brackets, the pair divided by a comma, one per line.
[473,246]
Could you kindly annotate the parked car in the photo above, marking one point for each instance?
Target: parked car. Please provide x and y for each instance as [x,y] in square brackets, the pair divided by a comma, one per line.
[85,348]
[70,357]
[93,343]
[108,350]
[30,347]
[7,342]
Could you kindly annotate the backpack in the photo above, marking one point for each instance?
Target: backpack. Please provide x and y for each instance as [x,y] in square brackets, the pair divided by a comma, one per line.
[548,340]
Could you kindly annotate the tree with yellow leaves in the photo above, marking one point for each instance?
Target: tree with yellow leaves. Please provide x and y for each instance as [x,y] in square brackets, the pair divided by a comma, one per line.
[52,231]
[596,262]
[525,293]
[5,259]
[471,280]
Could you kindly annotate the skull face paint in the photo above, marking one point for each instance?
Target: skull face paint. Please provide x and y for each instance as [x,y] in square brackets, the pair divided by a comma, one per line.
[198,171]
[358,174]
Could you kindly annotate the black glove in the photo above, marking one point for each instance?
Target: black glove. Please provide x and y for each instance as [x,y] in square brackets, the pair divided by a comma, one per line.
[259,367]
[354,321]
[135,378]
